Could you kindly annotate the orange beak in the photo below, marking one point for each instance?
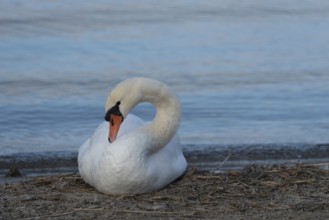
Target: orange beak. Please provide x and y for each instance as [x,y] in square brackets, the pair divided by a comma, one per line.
[115,122]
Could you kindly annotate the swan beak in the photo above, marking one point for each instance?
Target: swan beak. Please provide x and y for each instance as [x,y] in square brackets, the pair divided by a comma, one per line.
[115,122]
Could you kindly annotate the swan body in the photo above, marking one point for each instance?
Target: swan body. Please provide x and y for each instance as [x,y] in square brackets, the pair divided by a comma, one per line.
[134,157]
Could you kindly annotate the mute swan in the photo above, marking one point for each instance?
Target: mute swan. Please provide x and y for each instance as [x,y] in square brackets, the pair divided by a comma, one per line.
[127,155]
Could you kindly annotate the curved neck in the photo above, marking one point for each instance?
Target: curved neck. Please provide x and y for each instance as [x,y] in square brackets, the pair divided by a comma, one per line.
[167,118]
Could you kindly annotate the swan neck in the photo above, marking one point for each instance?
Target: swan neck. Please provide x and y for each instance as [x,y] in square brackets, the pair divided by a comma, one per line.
[166,121]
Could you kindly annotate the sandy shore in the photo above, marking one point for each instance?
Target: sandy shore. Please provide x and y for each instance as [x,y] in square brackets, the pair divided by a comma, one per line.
[256,192]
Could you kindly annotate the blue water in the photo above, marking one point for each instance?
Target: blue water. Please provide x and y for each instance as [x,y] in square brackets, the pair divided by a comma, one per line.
[246,73]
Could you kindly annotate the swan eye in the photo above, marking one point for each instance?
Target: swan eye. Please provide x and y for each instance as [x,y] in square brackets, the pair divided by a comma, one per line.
[115,110]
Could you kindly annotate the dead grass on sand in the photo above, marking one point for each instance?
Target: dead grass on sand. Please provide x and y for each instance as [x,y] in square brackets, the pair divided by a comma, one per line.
[277,192]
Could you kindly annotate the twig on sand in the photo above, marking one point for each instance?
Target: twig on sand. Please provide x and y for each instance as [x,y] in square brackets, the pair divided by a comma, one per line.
[222,163]
[145,211]
[314,164]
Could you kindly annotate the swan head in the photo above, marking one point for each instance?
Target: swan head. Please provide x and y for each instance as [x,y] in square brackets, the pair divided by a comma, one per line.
[124,97]
[127,94]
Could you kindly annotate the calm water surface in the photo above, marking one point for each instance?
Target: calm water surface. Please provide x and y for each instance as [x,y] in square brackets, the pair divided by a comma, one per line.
[246,73]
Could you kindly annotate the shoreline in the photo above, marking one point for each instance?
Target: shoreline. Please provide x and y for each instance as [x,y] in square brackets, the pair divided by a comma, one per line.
[231,183]
[211,159]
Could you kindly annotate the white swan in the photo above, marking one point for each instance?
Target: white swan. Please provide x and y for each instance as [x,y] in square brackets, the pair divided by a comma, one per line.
[142,157]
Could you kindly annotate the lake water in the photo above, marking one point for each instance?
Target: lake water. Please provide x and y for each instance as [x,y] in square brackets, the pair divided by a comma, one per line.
[247,73]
